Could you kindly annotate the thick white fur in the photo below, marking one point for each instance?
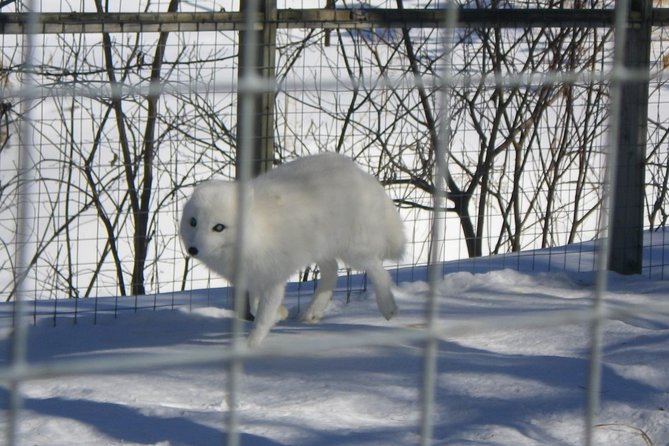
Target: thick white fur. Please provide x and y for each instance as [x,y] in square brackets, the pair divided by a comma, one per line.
[317,209]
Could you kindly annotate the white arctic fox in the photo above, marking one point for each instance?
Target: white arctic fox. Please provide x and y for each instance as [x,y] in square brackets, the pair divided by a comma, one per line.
[316,209]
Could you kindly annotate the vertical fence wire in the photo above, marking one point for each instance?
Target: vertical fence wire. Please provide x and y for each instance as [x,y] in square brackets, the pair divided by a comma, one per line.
[25,221]
[440,173]
[603,249]
[249,87]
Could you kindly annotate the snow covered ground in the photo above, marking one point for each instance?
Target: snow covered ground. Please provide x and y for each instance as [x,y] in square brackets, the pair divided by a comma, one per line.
[508,374]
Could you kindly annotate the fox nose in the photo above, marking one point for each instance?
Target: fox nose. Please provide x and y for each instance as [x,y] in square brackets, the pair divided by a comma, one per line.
[193,251]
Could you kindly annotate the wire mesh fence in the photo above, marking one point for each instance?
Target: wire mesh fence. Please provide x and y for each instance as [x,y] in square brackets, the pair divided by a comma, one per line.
[491,138]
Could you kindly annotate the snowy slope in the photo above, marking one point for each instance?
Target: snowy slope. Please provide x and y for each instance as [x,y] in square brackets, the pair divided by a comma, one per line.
[515,384]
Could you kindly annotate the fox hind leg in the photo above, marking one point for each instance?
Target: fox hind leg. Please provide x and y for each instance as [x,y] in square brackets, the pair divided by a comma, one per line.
[323,293]
[382,287]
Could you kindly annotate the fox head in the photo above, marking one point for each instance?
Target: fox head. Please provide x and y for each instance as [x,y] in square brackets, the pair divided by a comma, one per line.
[208,223]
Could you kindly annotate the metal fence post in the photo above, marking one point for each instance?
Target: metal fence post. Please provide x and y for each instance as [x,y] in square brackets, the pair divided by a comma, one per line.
[262,67]
[627,223]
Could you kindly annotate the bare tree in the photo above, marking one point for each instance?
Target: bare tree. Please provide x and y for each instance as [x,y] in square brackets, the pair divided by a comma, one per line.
[516,149]
[112,166]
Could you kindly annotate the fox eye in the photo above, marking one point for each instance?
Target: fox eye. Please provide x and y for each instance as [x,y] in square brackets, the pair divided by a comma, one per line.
[219,227]
[193,222]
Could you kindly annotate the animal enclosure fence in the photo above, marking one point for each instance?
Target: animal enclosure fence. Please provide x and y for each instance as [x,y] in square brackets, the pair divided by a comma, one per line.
[110,116]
